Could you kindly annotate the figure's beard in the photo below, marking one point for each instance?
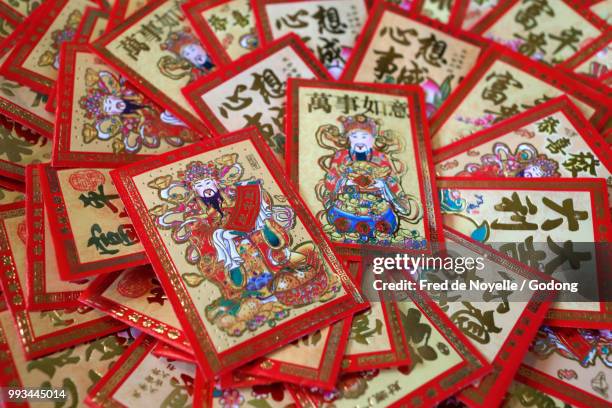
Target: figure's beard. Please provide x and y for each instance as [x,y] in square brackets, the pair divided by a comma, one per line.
[214,201]
[360,155]
[131,107]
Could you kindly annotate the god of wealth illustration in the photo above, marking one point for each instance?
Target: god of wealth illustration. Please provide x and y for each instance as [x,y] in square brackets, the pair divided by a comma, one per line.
[361,193]
[125,118]
[189,58]
[243,242]
[525,161]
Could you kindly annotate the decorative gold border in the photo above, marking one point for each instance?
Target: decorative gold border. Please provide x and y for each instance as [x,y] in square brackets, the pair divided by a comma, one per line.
[102,396]
[36,249]
[88,23]
[28,118]
[9,377]
[10,13]
[94,297]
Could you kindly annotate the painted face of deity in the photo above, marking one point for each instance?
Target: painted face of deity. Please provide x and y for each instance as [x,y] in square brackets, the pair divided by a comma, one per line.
[533,172]
[195,54]
[114,105]
[361,140]
[208,191]
[206,188]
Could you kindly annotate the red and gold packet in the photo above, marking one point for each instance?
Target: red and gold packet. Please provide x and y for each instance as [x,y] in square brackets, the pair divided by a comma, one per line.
[500,323]
[140,378]
[361,157]
[444,362]
[90,227]
[252,91]
[18,102]
[35,59]
[44,288]
[236,300]
[226,27]
[501,86]
[554,138]
[400,47]
[535,31]
[329,28]
[92,26]
[69,373]
[41,332]
[525,218]
[157,50]
[103,120]
[135,297]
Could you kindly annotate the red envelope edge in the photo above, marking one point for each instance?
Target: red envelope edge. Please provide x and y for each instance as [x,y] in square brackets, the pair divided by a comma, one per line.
[597,187]
[70,266]
[596,99]
[20,114]
[470,369]
[34,346]
[38,298]
[94,296]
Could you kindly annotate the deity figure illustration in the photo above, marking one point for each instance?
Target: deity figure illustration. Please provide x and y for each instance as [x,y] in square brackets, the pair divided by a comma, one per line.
[457,211]
[190,59]
[547,343]
[525,161]
[125,117]
[361,192]
[65,34]
[241,240]
[599,343]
